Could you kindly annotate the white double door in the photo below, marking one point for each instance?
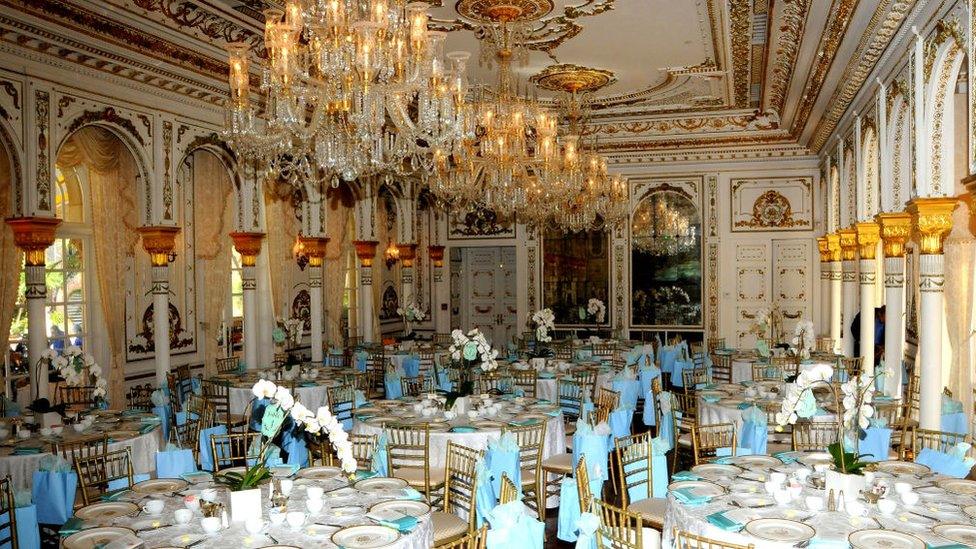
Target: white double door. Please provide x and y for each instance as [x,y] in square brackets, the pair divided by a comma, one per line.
[487,292]
[773,272]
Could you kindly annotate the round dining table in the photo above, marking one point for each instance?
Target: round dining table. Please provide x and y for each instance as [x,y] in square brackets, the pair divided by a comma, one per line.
[742,364]
[342,520]
[311,390]
[736,507]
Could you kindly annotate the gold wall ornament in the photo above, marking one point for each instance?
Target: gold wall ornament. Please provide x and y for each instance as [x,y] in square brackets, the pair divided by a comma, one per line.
[896,228]
[848,244]
[970,183]
[314,248]
[573,78]
[436,254]
[159,241]
[365,251]
[824,247]
[489,11]
[248,245]
[833,244]
[868,235]
[33,235]
[408,252]
[932,218]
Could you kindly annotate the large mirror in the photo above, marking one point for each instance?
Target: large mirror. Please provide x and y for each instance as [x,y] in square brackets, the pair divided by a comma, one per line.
[575,268]
[666,261]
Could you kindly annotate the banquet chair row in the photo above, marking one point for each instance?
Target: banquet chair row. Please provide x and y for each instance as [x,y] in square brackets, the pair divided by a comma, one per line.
[363,448]
[227,365]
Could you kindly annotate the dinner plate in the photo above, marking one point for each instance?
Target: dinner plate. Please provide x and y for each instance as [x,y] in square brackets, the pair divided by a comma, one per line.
[405,506]
[380,484]
[970,510]
[380,421]
[488,424]
[961,533]
[321,472]
[753,500]
[122,435]
[369,536]
[713,393]
[959,486]
[95,537]
[159,486]
[436,426]
[874,538]
[781,530]
[896,467]
[368,410]
[698,487]
[810,459]
[238,470]
[347,511]
[730,402]
[106,510]
[713,470]
[750,462]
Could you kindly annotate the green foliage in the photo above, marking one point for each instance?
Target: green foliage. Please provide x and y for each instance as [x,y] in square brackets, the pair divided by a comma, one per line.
[250,479]
[846,462]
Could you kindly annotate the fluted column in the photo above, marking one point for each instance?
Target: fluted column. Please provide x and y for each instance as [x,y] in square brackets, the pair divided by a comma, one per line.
[824,315]
[868,235]
[159,243]
[249,246]
[849,298]
[315,249]
[439,292]
[33,235]
[836,330]
[366,251]
[895,230]
[932,218]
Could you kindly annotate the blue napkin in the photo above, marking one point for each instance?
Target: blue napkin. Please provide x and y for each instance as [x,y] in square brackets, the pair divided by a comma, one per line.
[725,523]
[403,524]
[786,457]
[412,494]
[941,462]
[26,451]
[463,429]
[688,497]
[684,475]
[73,525]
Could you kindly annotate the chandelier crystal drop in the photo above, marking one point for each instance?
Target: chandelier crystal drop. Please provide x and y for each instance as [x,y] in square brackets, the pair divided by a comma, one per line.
[661,229]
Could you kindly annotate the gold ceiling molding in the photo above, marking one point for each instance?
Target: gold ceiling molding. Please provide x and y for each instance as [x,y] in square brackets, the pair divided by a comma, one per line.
[787,48]
[885,22]
[572,78]
[740,16]
[699,124]
[841,12]
[490,11]
[188,16]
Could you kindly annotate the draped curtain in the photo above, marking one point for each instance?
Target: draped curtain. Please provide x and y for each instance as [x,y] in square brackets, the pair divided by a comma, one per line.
[381,275]
[960,262]
[282,230]
[112,176]
[11,258]
[336,263]
[212,198]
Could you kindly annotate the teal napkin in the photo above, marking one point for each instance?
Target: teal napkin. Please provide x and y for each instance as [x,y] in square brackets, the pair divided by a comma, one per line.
[143,429]
[26,451]
[685,475]
[725,523]
[546,375]
[360,475]
[786,457]
[744,405]
[73,525]
[412,494]
[553,413]
[711,398]
[364,417]
[196,475]
[950,546]
[688,497]
[114,495]
[463,429]
[404,524]
[524,422]
[725,460]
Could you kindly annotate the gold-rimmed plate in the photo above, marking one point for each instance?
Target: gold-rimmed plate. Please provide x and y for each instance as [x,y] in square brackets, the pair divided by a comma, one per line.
[160,486]
[321,472]
[380,484]
[874,538]
[407,507]
[715,470]
[960,533]
[96,537]
[107,510]
[780,530]
[896,467]
[754,462]
[701,488]
[959,486]
[367,536]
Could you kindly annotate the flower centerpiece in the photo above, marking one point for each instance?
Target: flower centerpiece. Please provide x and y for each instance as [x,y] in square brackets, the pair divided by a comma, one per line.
[293,330]
[545,321]
[469,351]
[78,369]
[803,341]
[410,313]
[595,311]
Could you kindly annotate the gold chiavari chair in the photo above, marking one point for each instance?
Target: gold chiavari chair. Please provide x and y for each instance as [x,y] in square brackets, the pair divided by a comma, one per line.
[586,377]
[234,449]
[722,368]
[376,367]
[582,477]
[762,371]
[95,472]
[8,522]
[694,377]
[684,411]
[80,397]
[940,441]
[415,386]
[707,439]
[139,397]
[715,343]
[851,366]
[217,393]
[172,389]
[354,341]
[426,361]
[227,365]
[441,338]
[814,436]
[408,458]
[785,363]
[280,359]
[363,448]
[185,379]
[82,448]
[342,402]
[604,351]
[188,436]
[460,485]
[474,540]
[687,540]
[563,350]
[531,441]
[620,529]
[570,399]
[825,344]
[633,455]
[526,380]
[494,383]
[509,491]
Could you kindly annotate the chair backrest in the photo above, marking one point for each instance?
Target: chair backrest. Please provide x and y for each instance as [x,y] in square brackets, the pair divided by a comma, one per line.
[721,368]
[563,350]
[173,390]
[633,457]
[408,447]
[81,396]
[619,529]
[234,449]
[604,350]
[715,343]
[693,377]
[707,439]
[471,540]
[852,365]
[582,477]
[342,401]
[415,386]
[184,378]
[526,380]
[762,371]
[139,397]
[217,393]
[461,481]
[532,445]
[685,410]
[333,360]
[509,491]
[494,383]
[95,472]
[227,365]
[85,447]
[814,436]
[940,441]
[188,436]
[687,540]
[8,515]
[570,398]
[586,377]
[606,402]
[441,338]
[825,344]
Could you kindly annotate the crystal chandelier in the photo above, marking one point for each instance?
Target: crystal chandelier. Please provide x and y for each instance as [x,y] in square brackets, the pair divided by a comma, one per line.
[661,229]
[351,88]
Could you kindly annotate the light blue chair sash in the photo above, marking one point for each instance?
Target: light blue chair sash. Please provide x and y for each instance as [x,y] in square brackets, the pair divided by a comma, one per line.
[206,454]
[174,463]
[596,448]
[513,528]
[620,421]
[392,383]
[293,443]
[54,495]
[28,533]
[379,463]
[500,461]
[941,462]
[629,389]
[411,366]
[876,444]
[484,497]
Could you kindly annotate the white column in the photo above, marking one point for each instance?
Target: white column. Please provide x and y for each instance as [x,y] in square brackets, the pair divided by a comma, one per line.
[836,311]
[366,302]
[160,293]
[894,280]
[36,294]
[867,239]
[850,304]
[251,324]
[440,290]
[824,328]
[315,299]
[408,254]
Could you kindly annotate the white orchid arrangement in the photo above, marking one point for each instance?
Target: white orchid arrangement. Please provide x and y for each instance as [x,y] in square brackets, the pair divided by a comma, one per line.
[597,309]
[314,423]
[411,312]
[804,339]
[72,365]
[544,321]
[472,347]
[293,328]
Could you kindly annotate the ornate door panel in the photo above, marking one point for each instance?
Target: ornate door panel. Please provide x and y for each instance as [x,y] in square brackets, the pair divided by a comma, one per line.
[791,281]
[505,329]
[753,292]
[487,298]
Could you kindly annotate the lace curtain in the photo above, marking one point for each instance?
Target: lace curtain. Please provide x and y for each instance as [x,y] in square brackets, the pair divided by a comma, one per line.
[960,262]
[282,230]
[11,258]
[336,264]
[212,196]
[113,178]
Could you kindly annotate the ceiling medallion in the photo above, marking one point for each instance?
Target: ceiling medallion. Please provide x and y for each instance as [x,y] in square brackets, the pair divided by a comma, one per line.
[572,78]
[490,11]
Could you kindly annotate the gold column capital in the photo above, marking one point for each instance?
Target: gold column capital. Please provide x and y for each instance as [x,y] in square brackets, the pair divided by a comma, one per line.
[833,244]
[896,228]
[868,235]
[365,251]
[932,218]
[248,245]
[33,235]
[314,247]
[436,254]
[159,242]
[824,248]
[848,244]
[408,252]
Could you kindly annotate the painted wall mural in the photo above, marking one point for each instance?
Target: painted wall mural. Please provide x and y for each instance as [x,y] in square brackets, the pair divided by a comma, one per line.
[772,204]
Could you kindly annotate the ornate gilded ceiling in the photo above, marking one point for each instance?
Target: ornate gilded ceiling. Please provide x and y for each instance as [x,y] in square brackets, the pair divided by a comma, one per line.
[679,78]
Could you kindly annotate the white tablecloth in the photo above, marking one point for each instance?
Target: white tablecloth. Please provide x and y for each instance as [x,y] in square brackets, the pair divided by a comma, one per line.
[311,397]
[548,388]
[143,449]
[742,369]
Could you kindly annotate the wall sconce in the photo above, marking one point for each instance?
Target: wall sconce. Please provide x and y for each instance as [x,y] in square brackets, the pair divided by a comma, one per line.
[391,255]
[299,253]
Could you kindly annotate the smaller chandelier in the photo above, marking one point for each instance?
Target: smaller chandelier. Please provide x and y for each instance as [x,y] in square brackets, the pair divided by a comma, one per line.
[661,229]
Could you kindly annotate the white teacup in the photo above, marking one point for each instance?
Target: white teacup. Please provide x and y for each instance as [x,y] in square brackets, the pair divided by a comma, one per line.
[45,431]
[315,492]
[254,525]
[183,516]
[782,496]
[855,508]
[909,498]
[771,487]
[295,519]
[287,485]
[887,506]
[777,477]
[449,415]
[902,487]
[79,427]
[23,433]
[191,502]
[210,525]
[208,494]
[802,473]
[427,412]
[814,503]
[276,516]
[154,507]
[314,505]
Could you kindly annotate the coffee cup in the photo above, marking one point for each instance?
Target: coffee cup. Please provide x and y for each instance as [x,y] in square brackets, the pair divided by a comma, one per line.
[286,486]
[210,525]
[208,494]
[314,505]
[295,519]
[887,506]
[183,516]
[154,507]
[315,492]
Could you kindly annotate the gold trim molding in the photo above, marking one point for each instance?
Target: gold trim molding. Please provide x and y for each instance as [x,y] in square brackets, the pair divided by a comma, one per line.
[833,244]
[896,228]
[932,218]
[868,235]
[572,78]
[824,247]
[848,244]
[314,247]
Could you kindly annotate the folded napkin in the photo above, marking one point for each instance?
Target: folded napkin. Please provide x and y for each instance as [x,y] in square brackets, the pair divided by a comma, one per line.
[524,422]
[725,523]
[688,497]
[463,429]
[360,475]
[403,524]
[744,405]
[786,457]
[196,476]
[711,398]
[73,525]
[950,546]
[143,429]
[685,475]
[26,451]
[115,495]
[946,464]
[412,494]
